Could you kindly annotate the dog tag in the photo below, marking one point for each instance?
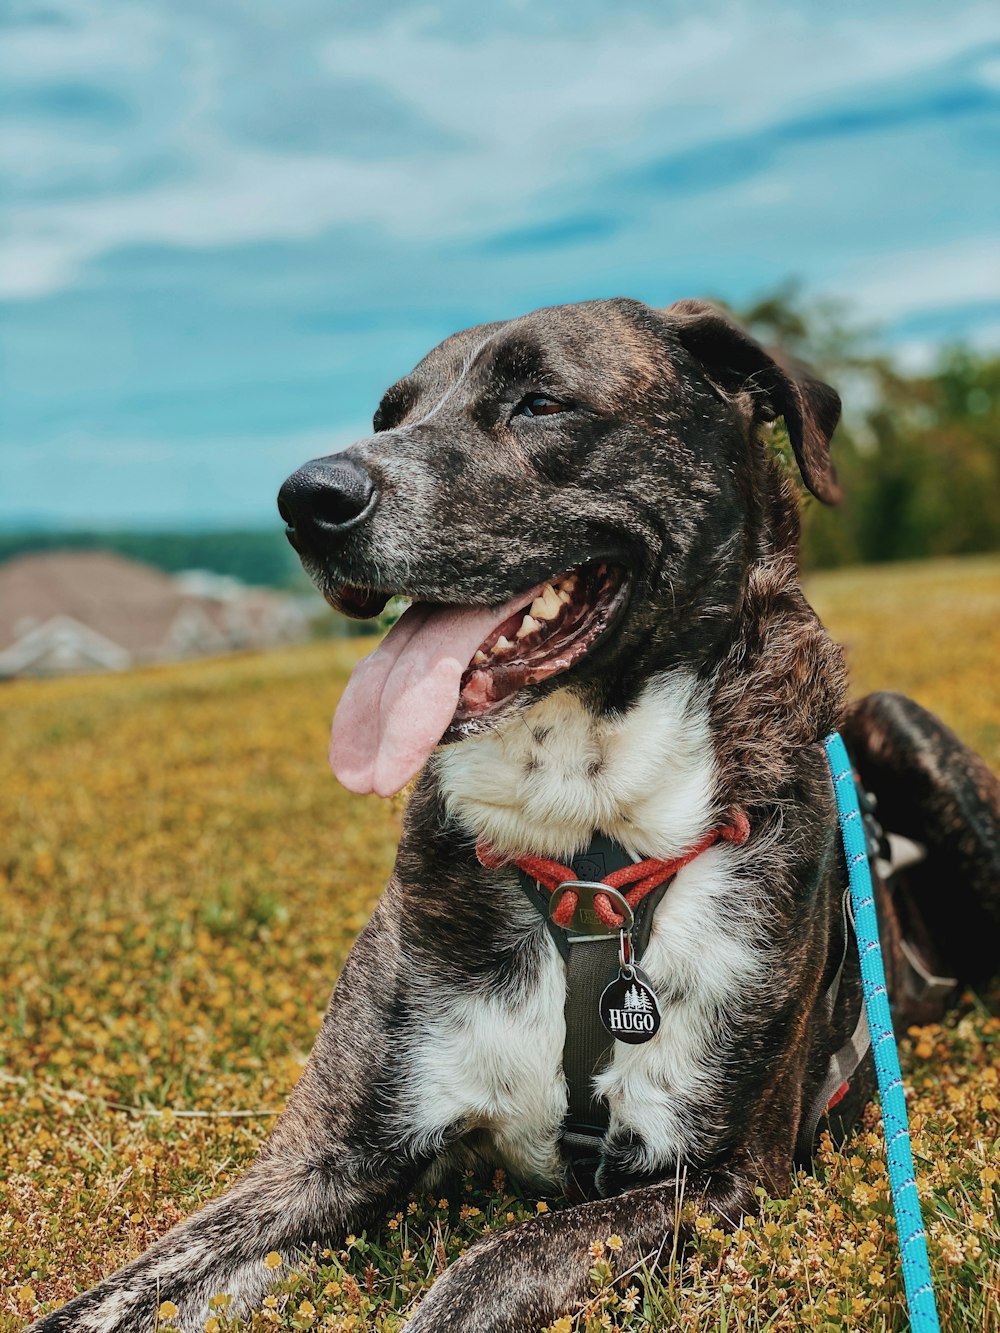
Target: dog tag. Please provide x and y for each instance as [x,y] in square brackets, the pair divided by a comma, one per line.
[629,1008]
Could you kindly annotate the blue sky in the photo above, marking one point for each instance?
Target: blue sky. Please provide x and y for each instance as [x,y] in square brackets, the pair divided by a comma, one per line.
[229,224]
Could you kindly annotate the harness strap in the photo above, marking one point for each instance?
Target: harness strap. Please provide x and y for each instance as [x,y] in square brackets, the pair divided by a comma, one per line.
[592,961]
[589,968]
[844,1063]
[889,853]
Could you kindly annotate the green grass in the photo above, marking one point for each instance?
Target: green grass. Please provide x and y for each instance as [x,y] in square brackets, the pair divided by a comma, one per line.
[180,881]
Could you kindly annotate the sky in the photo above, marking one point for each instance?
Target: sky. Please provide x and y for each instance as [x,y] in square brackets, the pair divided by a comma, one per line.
[230,225]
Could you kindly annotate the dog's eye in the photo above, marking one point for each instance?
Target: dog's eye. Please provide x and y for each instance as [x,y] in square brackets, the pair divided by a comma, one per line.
[537,405]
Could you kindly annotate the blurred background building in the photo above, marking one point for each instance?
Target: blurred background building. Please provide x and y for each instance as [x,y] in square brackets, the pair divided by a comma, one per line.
[81,611]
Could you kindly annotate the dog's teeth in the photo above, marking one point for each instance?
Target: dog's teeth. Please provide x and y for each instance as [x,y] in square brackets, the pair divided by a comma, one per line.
[551,599]
[502,645]
[528,626]
[548,606]
[564,596]
[479,658]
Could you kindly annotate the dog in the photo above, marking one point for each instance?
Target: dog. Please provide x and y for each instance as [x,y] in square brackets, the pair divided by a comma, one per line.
[607,654]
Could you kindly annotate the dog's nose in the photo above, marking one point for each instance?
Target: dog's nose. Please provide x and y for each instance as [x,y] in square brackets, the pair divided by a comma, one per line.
[323,500]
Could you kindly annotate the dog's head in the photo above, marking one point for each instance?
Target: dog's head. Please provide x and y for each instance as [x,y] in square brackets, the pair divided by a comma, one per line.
[573,496]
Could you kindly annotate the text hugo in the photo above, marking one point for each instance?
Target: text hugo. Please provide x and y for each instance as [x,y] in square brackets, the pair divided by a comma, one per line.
[627,1020]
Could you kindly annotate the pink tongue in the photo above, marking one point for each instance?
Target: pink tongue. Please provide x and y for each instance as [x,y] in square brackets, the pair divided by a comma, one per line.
[401,697]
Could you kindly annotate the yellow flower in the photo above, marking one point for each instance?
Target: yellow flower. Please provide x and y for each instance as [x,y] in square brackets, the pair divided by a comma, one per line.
[26,1294]
[563,1325]
[272,1260]
[307,1309]
[614,1242]
[167,1310]
[541,1206]
[212,1324]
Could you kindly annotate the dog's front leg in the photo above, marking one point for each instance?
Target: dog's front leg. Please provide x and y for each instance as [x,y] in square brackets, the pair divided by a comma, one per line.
[520,1279]
[225,1247]
[335,1157]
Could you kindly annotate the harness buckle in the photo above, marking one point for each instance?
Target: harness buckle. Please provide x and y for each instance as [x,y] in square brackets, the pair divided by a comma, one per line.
[585,919]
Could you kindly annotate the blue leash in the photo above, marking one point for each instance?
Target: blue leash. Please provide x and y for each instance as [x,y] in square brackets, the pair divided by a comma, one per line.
[909,1223]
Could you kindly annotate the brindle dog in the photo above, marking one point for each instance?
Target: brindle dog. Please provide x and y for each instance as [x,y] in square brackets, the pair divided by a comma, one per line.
[608,636]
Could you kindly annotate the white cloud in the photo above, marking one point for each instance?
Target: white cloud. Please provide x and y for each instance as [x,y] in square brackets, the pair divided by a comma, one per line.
[706,74]
[989,73]
[932,277]
[97,41]
[541,119]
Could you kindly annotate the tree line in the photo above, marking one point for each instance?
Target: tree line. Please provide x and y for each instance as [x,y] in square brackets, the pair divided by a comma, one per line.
[258,556]
[917,452]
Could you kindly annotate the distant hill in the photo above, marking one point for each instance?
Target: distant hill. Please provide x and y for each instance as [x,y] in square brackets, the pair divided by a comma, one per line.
[67,612]
[257,556]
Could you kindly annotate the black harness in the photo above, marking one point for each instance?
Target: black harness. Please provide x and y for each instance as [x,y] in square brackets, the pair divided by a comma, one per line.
[590,950]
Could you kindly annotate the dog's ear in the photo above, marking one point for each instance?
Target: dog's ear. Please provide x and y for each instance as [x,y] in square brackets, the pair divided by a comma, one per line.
[736,363]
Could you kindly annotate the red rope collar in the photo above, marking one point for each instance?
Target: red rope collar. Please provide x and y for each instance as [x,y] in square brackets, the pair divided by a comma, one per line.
[634,882]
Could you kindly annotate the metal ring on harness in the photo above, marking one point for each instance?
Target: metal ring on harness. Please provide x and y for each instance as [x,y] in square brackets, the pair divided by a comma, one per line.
[585,919]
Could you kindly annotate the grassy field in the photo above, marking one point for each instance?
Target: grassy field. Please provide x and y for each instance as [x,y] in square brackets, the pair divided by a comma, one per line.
[180,880]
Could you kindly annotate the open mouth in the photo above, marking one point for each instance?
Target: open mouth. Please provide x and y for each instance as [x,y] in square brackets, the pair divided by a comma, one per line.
[442,669]
[560,626]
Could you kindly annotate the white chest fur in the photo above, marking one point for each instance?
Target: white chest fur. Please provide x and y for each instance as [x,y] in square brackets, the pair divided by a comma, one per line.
[543,783]
[547,779]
